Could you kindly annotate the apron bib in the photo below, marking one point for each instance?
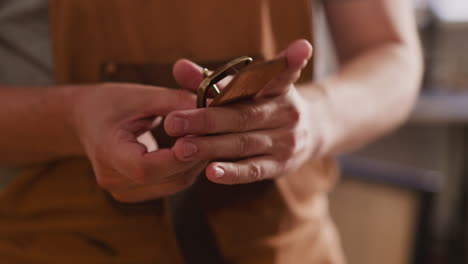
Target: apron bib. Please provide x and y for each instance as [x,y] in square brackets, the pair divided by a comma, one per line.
[56,213]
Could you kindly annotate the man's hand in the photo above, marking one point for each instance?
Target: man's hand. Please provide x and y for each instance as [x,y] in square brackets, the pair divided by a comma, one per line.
[263,138]
[108,119]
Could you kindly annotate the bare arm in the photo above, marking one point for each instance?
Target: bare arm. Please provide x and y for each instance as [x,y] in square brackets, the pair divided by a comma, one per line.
[374,90]
[100,122]
[371,94]
[36,125]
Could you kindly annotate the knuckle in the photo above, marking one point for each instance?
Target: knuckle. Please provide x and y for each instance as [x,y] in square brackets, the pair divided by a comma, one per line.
[293,113]
[254,172]
[257,113]
[242,119]
[269,143]
[290,143]
[249,117]
[242,144]
[235,175]
[207,120]
[293,140]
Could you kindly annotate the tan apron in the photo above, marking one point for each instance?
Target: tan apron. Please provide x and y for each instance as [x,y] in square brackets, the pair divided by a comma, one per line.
[56,213]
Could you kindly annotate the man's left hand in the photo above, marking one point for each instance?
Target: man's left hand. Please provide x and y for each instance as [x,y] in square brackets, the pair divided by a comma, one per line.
[262,138]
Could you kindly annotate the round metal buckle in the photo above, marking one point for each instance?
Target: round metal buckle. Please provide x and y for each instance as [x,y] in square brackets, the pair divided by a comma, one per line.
[210,81]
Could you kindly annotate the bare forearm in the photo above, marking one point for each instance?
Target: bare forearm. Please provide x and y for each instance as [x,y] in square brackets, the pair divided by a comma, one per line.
[35,125]
[371,95]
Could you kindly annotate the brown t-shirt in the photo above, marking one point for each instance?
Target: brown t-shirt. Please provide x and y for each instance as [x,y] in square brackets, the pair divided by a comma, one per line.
[61,214]
[25,50]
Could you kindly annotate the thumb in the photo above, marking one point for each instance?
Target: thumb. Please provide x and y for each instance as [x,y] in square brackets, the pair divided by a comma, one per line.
[297,55]
[187,74]
[162,101]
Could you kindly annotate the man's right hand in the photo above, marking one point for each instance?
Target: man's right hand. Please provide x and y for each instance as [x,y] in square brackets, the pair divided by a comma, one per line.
[108,118]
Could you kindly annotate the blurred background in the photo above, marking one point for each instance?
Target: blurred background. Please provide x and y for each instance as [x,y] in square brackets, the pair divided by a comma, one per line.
[403,199]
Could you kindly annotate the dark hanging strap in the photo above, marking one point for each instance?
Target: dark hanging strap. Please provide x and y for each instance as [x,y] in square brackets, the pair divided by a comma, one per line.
[195,237]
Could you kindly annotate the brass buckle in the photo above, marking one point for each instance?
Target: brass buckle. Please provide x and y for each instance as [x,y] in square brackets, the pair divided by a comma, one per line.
[210,81]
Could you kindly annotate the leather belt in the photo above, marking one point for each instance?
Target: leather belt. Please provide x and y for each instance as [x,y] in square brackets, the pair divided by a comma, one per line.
[193,232]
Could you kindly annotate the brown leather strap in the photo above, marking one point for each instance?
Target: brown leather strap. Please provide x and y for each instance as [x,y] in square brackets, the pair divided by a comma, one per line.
[250,81]
[195,237]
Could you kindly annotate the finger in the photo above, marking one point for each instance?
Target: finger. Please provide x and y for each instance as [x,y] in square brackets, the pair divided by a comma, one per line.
[189,75]
[228,146]
[244,171]
[169,100]
[110,179]
[297,55]
[264,114]
[169,168]
[131,159]
[151,101]
[154,191]
[162,166]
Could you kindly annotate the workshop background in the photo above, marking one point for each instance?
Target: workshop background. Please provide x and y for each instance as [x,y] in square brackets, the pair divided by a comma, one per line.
[403,199]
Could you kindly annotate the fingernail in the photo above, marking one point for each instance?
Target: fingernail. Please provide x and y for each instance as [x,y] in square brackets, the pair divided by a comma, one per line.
[179,125]
[219,172]
[189,149]
[304,63]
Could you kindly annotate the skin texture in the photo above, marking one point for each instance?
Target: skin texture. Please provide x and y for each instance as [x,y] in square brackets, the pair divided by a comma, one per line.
[264,138]
[261,133]
[380,72]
